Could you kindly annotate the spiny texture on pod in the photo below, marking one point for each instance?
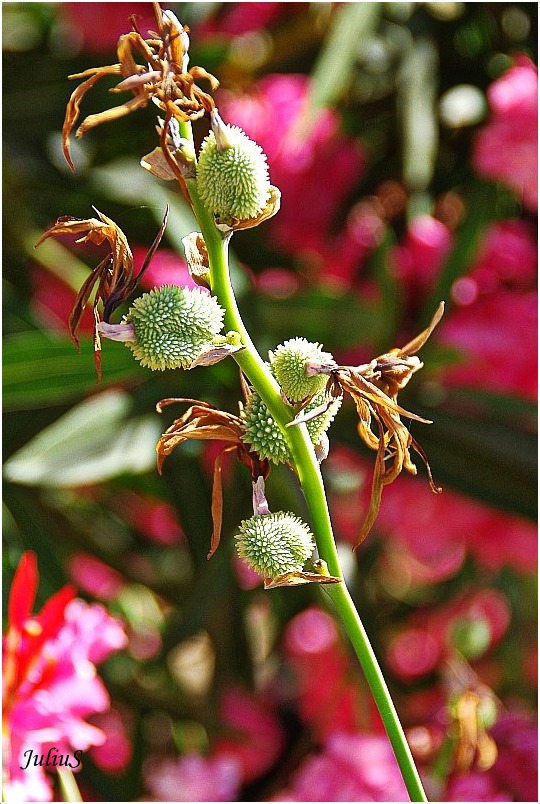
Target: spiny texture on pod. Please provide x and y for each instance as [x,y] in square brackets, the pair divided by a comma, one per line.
[172,325]
[273,544]
[233,180]
[288,364]
[262,432]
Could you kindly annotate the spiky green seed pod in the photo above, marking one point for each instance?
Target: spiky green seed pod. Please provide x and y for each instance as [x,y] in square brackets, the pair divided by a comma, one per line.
[273,544]
[233,179]
[288,364]
[262,432]
[172,325]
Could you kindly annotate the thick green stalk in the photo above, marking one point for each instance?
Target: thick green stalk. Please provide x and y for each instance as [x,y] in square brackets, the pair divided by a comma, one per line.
[308,471]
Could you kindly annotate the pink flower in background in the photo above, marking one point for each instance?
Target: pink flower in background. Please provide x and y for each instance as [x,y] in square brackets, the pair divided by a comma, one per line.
[193,778]
[432,635]
[52,302]
[236,19]
[315,171]
[427,536]
[256,738]
[115,753]
[166,268]
[508,256]
[326,698]
[496,339]
[96,27]
[94,576]
[51,684]
[418,260]
[506,149]
[154,517]
[351,767]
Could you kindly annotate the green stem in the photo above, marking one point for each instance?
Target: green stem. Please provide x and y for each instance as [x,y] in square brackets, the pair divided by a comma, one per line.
[309,474]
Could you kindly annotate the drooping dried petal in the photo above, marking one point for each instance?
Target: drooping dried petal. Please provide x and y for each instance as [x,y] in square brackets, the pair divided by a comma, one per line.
[269,210]
[374,388]
[112,279]
[164,78]
[298,579]
[197,259]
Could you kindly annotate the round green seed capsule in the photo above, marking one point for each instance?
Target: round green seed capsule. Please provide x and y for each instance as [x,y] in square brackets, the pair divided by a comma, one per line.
[172,325]
[262,432]
[273,544]
[233,180]
[288,364]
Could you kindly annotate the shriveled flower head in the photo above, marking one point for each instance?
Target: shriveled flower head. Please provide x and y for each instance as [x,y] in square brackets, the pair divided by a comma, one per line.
[288,363]
[164,78]
[275,544]
[263,434]
[374,388]
[113,279]
[173,325]
[232,173]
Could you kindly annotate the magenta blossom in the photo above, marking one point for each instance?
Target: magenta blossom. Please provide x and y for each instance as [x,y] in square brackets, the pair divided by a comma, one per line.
[327,698]
[254,738]
[351,767]
[96,27]
[496,342]
[506,149]
[418,260]
[426,537]
[51,685]
[234,19]
[94,576]
[193,778]
[315,171]
[166,268]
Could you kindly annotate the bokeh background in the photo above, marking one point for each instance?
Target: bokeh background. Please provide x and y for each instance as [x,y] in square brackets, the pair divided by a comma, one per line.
[403,139]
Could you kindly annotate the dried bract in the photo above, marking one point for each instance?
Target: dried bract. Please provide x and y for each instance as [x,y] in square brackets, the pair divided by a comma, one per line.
[164,79]
[374,388]
[203,422]
[113,276]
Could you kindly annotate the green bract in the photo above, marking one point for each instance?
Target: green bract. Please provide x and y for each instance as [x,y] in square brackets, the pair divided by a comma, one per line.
[288,364]
[233,181]
[172,325]
[273,544]
[263,433]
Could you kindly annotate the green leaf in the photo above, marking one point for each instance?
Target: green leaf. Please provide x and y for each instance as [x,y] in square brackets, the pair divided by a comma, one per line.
[352,25]
[42,370]
[338,321]
[92,442]
[416,99]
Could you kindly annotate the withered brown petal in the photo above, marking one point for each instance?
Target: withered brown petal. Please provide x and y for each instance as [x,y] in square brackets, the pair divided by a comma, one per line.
[197,259]
[377,486]
[108,115]
[156,163]
[74,103]
[298,579]
[269,210]
[416,344]
[217,505]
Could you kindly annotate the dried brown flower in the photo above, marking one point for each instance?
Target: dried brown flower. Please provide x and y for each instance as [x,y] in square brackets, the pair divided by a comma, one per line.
[203,422]
[165,79]
[374,388]
[113,276]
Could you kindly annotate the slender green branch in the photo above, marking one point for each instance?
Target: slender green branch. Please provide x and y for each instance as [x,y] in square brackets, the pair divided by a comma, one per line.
[308,471]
